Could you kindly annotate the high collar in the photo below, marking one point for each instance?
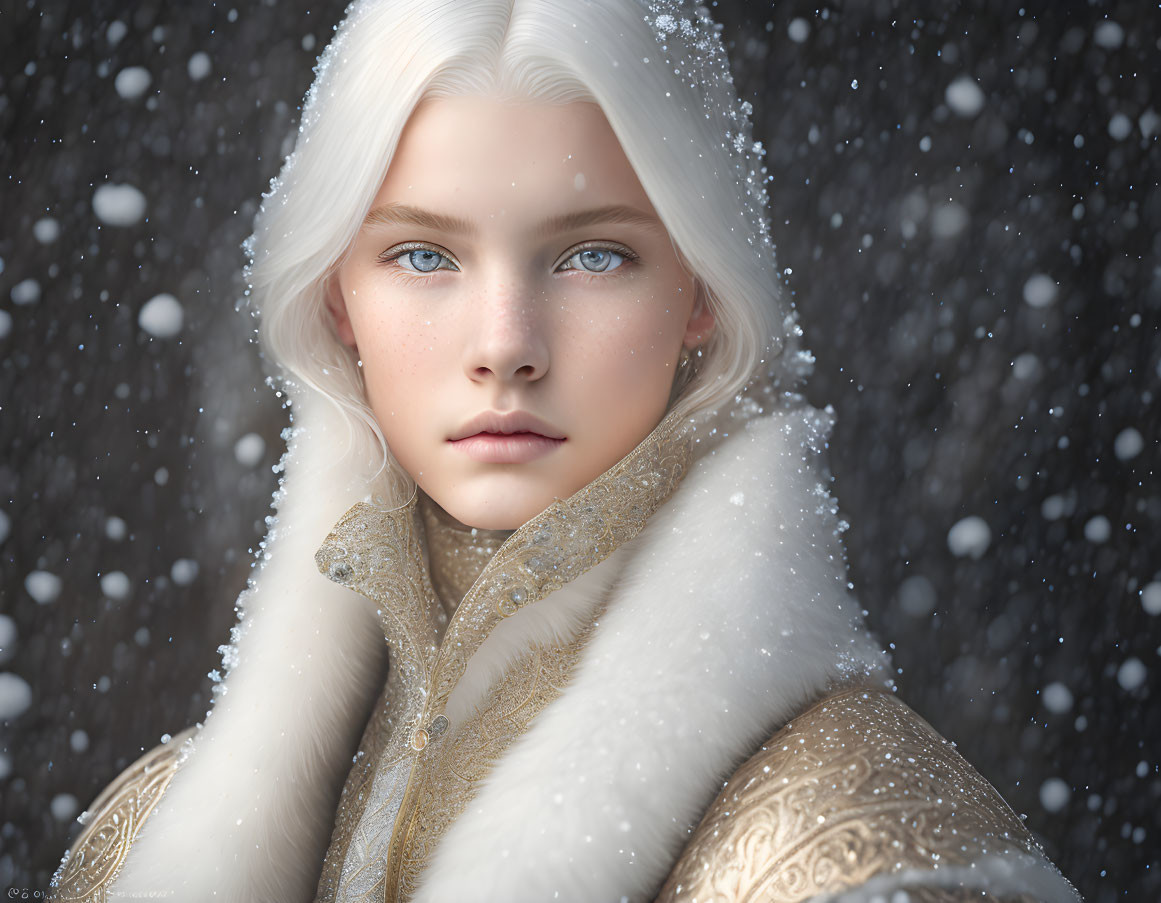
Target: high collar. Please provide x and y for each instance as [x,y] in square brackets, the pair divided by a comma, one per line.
[378,552]
[456,554]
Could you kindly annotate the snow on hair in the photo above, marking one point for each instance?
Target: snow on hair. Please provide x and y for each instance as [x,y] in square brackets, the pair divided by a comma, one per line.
[677,118]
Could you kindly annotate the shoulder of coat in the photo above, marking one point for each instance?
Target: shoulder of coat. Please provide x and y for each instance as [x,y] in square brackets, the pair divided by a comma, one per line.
[112,822]
[857,786]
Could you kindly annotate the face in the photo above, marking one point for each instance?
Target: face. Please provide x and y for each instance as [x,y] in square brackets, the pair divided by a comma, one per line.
[517,305]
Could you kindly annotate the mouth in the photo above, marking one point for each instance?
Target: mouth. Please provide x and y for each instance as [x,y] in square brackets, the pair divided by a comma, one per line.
[512,437]
[506,448]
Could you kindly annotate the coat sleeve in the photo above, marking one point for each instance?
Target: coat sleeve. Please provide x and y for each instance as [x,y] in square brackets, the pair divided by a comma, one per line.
[856,799]
[111,825]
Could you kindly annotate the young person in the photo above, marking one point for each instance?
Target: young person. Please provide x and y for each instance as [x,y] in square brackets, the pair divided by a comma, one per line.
[547,442]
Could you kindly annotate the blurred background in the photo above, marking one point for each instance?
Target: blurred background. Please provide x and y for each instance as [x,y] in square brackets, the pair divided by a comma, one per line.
[967,211]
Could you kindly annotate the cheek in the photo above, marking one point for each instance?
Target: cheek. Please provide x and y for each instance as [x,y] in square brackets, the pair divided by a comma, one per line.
[401,349]
[650,321]
[623,350]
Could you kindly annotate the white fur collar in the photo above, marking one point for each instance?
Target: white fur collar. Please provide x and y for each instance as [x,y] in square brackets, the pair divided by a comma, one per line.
[249,813]
[727,613]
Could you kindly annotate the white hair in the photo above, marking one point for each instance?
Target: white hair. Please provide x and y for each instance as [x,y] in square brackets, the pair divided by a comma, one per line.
[659,73]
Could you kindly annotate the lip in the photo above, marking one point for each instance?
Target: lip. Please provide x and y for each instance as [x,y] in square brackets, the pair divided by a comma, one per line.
[506,423]
[511,437]
[514,448]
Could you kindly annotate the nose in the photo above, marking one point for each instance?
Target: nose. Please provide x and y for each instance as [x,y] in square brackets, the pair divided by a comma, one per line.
[508,341]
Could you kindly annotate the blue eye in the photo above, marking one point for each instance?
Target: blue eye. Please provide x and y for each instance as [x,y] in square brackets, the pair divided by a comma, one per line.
[413,257]
[424,260]
[594,260]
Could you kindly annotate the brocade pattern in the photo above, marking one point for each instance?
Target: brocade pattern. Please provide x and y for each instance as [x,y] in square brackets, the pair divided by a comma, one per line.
[856,787]
[456,554]
[112,823]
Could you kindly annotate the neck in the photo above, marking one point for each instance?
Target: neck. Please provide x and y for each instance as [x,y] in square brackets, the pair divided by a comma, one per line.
[456,553]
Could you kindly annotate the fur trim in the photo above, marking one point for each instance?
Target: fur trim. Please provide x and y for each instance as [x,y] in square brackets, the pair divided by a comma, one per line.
[249,813]
[726,614]
[731,613]
[553,621]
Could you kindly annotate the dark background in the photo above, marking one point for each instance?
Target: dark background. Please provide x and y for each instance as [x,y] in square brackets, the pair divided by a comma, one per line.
[908,231]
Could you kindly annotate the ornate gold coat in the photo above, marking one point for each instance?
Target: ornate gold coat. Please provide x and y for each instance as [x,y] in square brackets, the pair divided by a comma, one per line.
[852,792]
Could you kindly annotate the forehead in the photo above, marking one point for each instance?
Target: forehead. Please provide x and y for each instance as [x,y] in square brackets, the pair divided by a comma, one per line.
[486,156]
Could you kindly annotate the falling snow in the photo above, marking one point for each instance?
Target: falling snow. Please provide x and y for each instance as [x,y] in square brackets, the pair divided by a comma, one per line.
[1054,794]
[24,292]
[798,30]
[43,586]
[8,637]
[115,585]
[969,239]
[1132,673]
[118,205]
[199,65]
[965,97]
[250,449]
[15,695]
[184,571]
[161,316]
[917,596]
[1057,698]
[46,230]
[1151,598]
[969,537]
[1040,290]
[1098,529]
[132,82]
[1129,443]
[1109,35]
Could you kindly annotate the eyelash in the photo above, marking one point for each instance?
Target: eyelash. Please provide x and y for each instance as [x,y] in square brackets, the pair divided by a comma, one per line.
[391,257]
[628,254]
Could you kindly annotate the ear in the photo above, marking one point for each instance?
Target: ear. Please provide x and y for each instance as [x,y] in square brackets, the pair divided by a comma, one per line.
[701,320]
[337,306]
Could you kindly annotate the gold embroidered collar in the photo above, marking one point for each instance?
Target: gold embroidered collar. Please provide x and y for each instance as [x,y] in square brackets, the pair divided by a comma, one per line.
[456,555]
[379,552]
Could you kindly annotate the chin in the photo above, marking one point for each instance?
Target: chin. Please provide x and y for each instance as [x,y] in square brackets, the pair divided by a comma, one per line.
[496,521]
[485,514]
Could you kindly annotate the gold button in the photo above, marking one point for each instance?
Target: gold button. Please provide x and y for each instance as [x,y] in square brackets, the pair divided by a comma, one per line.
[419,739]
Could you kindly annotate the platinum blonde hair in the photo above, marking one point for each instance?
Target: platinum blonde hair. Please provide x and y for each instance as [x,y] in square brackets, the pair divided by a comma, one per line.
[659,73]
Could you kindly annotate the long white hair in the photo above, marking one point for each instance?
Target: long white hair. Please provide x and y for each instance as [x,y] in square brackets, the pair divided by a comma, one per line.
[659,73]
[306,657]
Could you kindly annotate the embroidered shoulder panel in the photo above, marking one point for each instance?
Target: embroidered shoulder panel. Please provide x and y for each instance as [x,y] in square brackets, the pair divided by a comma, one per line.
[112,823]
[859,786]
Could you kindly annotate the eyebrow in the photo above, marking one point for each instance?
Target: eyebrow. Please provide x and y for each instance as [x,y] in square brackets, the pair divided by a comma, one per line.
[406,215]
[617,214]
